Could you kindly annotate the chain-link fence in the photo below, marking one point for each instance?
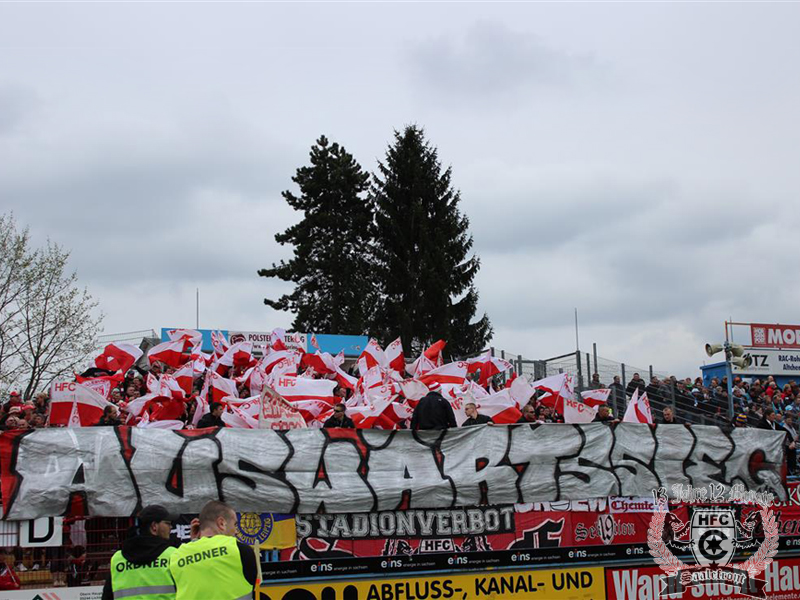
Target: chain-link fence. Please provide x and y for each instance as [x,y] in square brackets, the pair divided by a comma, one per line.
[664,392]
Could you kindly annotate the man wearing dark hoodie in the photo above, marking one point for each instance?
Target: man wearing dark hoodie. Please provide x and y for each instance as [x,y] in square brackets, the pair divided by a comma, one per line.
[433,412]
[140,571]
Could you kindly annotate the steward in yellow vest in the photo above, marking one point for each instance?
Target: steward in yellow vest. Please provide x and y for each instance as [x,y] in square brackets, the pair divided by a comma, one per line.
[140,571]
[216,566]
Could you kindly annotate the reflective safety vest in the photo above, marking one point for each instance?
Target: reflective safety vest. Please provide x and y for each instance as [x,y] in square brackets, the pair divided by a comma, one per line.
[142,582]
[209,568]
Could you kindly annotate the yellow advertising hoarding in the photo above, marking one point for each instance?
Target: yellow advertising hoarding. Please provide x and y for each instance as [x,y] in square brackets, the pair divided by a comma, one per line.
[560,584]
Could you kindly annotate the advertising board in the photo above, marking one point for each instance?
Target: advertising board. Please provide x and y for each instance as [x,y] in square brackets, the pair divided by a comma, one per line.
[644,583]
[774,335]
[770,362]
[561,584]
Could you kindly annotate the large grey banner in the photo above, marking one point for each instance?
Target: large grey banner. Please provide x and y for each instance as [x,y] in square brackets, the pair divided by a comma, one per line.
[113,472]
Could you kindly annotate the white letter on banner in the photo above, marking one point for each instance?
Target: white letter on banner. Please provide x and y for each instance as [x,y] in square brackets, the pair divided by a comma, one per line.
[590,475]
[766,454]
[256,458]
[408,465]
[631,456]
[481,466]
[706,464]
[541,448]
[331,477]
[673,445]
[54,463]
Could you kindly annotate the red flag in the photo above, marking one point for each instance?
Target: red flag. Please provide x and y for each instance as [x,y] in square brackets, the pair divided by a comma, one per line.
[395,359]
[118,357]
[169,353]
[75,405]
[434,352]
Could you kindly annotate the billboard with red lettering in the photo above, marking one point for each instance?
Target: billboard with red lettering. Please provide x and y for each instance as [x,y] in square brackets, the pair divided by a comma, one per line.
[774,335]
[640,583]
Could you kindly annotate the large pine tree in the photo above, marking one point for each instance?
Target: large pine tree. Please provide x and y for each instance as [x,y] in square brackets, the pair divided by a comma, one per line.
[422,250]
[332,264]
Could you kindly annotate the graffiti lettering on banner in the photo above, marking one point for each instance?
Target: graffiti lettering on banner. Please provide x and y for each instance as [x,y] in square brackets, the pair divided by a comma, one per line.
[104,471]
[572,584]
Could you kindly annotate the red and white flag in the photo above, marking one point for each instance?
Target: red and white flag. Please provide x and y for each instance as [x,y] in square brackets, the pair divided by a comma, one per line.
[596,397]
[321,362]
[314,343]
[420,367]
[395,359]
[242,413]
[521,391]
[556,389]
[239,354]
[638,410]
[488,365]
[413,390]
[75,405]
[500,406]
[454,372]
[118,357]
[578,412]
[184,377]
[190,337]
[219,343]
[294,389]
[273,359]
[373,415]
[277,413]
[169,353]
[276,340]
[220,387]
[372,356]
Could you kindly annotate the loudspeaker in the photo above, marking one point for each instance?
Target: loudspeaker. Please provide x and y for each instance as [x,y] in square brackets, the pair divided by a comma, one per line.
[712,349]
[742,362]
[737,350]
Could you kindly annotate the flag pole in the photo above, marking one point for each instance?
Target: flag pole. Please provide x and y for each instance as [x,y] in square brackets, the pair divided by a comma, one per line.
[197,309]
[577,343]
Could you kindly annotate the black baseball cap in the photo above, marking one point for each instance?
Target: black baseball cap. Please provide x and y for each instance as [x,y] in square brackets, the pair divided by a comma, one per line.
[154,513]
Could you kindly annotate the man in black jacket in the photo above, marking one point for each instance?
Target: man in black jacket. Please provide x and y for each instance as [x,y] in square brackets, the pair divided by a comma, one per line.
[474,418]
[213,418]
[433,412]
[637,383]
[339,418]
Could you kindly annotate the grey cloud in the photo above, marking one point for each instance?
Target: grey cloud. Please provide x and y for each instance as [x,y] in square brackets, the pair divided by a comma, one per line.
[492,60]
[17,105]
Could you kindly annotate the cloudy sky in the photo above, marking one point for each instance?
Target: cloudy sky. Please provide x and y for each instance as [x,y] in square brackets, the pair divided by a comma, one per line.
[636,161]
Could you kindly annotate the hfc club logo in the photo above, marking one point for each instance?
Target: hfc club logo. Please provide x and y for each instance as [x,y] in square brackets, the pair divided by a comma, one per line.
[714,537]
